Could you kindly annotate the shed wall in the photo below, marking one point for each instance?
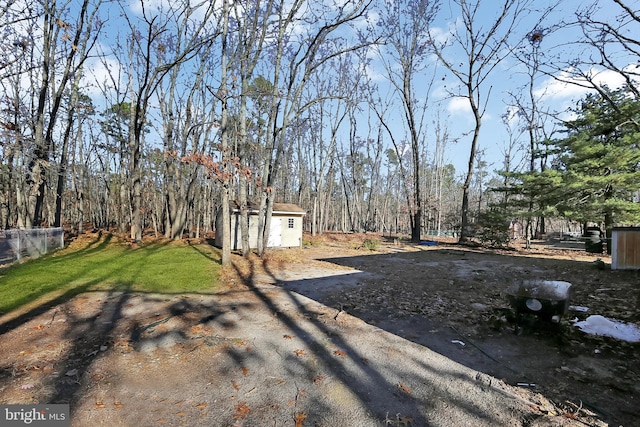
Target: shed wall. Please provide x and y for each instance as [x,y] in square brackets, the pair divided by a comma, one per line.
[625,249]
[285,231]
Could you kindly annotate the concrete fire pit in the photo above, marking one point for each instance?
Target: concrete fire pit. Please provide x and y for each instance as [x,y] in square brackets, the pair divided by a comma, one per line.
[546,299]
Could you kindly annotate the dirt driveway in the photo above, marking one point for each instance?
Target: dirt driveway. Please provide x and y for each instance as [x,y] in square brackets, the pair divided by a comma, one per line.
[332,336]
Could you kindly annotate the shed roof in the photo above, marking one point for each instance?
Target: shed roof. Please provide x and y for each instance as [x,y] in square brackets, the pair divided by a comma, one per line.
[278,208]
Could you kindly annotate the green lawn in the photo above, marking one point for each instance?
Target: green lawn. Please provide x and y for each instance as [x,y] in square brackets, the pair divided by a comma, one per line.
[104,264]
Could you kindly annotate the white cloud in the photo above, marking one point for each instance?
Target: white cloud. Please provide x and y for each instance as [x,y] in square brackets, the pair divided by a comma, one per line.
[568,85]
[137,6]
[439,35]
[562,93]
[512,116]
[459,106]
[373,74]
[98,76]
[369,20]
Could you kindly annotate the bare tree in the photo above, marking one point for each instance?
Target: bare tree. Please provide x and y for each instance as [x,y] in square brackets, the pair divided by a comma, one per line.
[184,105]
[224,139]
[85,36]
[615,42]
[51,45]
[147,65]
[252,19]
[443,139]
[404,57]
[482,48]
[17,21]
[529,116]
[396,157]
[294,61]
[320,153]
[603,39]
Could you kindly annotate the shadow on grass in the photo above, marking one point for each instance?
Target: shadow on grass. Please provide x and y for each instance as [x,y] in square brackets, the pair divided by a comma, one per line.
[68,280]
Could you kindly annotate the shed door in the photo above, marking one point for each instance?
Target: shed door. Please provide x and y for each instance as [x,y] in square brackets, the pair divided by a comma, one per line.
[275,233]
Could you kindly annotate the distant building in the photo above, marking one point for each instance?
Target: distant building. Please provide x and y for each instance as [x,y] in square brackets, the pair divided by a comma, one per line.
[285,230]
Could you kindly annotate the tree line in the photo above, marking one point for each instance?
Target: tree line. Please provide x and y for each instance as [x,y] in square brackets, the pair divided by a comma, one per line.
[155,115]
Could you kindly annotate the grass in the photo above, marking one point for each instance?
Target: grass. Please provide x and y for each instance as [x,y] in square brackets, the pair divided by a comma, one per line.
[106,264]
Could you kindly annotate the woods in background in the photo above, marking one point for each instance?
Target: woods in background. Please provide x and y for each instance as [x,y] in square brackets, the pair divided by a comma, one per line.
[155,116]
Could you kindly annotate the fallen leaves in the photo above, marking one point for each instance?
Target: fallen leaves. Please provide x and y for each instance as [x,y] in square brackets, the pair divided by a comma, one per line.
[117,404]
[123,344]
[97,377]
[299,418]
[242,410]
[340,353]
[287,337]
[404,388]
[200,329]
[299,352]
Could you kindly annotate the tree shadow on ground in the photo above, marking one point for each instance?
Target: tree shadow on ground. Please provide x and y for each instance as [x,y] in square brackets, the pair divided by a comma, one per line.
[374,388]
[453,302]
[255,354]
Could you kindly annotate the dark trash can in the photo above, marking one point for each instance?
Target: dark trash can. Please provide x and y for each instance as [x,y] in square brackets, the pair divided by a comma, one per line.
[594,247]
[593,242]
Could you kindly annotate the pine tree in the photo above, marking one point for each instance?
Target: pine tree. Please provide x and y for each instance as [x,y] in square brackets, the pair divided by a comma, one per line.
[599,161]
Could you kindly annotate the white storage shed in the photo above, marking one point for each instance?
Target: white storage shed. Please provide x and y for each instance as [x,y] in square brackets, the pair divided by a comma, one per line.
[285,230]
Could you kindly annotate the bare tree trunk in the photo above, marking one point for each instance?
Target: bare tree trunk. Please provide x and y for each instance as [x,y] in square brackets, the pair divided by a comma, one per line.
[464,231]
[224,142]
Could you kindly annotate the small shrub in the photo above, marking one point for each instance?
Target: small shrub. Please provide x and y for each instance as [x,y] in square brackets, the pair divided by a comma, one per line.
[371,244]
[494,228]
[311,241]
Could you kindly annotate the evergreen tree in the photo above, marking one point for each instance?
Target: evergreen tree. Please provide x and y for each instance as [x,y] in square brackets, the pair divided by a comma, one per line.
[595,174]
[600,160]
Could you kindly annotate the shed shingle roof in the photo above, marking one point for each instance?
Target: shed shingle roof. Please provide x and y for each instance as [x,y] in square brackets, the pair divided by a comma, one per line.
[278,208]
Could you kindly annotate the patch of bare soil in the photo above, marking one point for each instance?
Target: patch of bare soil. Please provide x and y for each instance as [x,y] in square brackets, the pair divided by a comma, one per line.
[452,300]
